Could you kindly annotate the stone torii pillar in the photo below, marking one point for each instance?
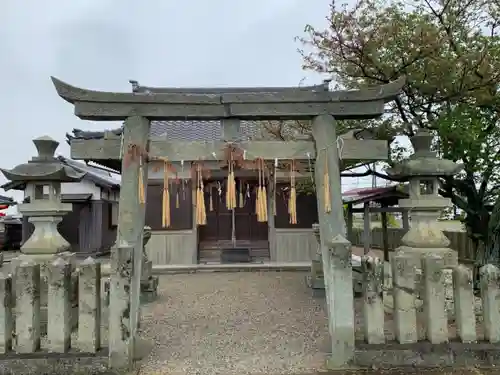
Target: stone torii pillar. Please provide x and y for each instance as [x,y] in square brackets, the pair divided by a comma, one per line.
[126,257]
[335,248]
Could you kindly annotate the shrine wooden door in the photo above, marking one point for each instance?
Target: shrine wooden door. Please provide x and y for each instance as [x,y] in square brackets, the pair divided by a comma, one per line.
[219,227]
[219,219]
[247,228]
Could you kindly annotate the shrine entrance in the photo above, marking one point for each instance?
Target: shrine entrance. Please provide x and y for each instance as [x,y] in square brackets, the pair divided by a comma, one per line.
[227,230]
[136,149]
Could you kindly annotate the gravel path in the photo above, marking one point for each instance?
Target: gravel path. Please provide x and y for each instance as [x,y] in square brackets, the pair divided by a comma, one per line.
[235,323]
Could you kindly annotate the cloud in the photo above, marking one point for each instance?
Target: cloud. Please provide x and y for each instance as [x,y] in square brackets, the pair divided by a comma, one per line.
[101,44]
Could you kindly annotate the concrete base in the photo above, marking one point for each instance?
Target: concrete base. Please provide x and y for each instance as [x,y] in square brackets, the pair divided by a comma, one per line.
[317,287]
[244,267]
[315,283]
[149,289]
[317,269]
[426,355]
[56,364]
[142,348]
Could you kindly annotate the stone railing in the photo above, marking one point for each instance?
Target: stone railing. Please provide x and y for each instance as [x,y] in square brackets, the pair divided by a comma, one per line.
[418,330]
[21,330]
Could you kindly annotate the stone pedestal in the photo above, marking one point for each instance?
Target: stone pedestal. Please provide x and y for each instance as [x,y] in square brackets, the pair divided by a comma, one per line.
[425,238]
[149,282]
[315,279]
[45,238]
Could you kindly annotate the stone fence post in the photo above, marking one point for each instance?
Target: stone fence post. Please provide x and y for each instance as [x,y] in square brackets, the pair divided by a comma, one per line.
[28,307]
[490,276]
[6,313]
[405,313]
[59,306]
[464,303]
[121,339]
[373,306]
[341,314]
[89,304]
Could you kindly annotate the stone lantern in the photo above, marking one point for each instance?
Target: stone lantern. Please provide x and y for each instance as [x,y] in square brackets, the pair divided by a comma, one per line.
[43,176]
[422,170]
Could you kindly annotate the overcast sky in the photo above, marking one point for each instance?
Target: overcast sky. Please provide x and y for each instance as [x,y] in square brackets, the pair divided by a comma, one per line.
[101,44]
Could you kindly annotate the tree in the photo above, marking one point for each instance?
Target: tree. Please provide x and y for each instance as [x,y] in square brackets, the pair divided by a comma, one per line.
[449,50]
[291,130]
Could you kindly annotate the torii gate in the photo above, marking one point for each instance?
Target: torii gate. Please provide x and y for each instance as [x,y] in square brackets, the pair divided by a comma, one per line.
[230,105]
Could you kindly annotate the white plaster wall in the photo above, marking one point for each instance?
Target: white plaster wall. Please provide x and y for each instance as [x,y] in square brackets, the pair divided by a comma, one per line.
[173,247]
[113,196]
[295,245]
[82,187]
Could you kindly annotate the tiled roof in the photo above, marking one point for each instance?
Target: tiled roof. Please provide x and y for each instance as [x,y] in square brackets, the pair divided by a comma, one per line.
[362,195]
[201,130]
[6,200]
[187,130]
[194,131]
[96,175]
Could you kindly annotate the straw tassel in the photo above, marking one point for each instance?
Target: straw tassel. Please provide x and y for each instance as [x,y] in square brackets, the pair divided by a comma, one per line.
[231,187]
[211,204]
[274,190]
[292,205]
[201,215]
[257,196]
[241,201]
[142,197]
[326,187]
[261,200]
[165,213]
[203,208]
[257,203]
[264,193]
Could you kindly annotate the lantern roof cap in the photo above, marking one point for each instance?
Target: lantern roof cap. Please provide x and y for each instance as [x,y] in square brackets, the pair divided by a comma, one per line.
[424,162]
[43,167]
